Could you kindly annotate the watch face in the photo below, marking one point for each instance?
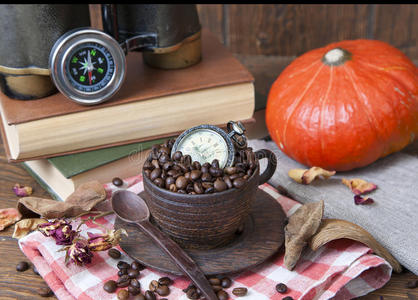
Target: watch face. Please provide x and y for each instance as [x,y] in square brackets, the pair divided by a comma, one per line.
[205,145]
[90,67]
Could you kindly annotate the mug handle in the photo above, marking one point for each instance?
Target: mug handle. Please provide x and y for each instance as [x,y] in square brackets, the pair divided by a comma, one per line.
[271,164]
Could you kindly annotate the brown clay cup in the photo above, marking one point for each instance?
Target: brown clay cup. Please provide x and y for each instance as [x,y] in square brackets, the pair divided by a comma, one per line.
[206,221]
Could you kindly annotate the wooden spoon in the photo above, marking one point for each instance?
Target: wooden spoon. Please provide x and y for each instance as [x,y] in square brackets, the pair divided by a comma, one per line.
[131,208]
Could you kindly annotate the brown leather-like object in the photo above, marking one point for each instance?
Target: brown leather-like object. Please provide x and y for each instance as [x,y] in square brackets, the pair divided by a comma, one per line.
[209,220]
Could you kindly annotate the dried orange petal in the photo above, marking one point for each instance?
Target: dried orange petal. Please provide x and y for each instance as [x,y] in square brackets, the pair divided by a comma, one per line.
[8,216]
[23,227]
[306,176]
[359,186]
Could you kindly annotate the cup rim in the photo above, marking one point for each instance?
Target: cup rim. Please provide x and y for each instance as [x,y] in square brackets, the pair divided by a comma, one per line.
[144,177]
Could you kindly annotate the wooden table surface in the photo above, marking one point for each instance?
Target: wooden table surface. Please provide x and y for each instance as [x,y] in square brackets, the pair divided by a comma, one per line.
[16,285]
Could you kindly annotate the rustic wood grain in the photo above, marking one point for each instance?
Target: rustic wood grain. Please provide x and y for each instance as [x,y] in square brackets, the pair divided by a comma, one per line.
[96,16]
[398,26]
[211,16]
[287,30]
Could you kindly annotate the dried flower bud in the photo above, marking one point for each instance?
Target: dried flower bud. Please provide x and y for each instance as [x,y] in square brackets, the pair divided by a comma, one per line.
[101,242]
[79,253]
[60,230]
[305,176]
[360,200]
[21,190]
[359,186]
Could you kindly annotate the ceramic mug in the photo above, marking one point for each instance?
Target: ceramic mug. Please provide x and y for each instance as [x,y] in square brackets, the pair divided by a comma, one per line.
[206,221]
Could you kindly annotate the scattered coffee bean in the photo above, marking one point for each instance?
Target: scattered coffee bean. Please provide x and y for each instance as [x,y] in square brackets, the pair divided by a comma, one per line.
[123,295]
[150,295]
[122,272]
[22,266]
[165,281]
[217,288]
[44,292]
[133,273]
[123,281]
[153,285]
[287,298]
[281,288]
[226,282]
[163,290]
[114,253]
[123,265]
[137,266]
[222,295]
[117,181]
[110,286]
[412,284]
[214,281]
[240,291]
[135,283]
[138,297]
[192,293]
[134,290]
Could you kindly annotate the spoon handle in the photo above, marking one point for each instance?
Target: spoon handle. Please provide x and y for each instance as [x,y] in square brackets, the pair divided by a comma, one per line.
[182,260]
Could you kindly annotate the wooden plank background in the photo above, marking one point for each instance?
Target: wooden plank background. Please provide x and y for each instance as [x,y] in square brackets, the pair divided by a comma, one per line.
[267,37]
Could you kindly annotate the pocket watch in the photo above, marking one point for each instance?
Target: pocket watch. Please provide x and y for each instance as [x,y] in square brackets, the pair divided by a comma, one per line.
[204,143]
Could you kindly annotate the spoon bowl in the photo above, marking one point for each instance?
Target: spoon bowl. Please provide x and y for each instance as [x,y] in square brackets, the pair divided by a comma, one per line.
[130,207]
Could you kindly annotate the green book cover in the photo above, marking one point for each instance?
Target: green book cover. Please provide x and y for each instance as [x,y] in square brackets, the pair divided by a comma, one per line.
[73,164]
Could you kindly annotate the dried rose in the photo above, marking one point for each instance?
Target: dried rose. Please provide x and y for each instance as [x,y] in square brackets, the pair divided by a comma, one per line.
[79,252]
[359,186]
[23,227]
[60,230]
[360,200]
[8,216]
[21,190]
[305,176]
[101,242]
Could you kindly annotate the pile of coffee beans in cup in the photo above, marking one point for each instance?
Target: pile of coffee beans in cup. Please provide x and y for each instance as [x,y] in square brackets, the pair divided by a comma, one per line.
[178,173]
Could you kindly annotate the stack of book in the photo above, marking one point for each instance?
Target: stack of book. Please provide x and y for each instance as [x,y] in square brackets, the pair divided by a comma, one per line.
[63,144]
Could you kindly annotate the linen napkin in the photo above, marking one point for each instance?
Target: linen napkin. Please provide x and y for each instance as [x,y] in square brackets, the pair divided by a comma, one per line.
[343,269]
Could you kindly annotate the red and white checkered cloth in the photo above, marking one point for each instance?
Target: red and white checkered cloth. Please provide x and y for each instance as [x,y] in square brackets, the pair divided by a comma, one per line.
[342,269]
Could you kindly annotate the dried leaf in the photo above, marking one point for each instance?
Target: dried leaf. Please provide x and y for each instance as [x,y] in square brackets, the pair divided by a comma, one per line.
[332,229]
[22,190]
[359,186]
[302,225]
[306,176]
[8,216]
[82,200]
[360,200]
[23,227]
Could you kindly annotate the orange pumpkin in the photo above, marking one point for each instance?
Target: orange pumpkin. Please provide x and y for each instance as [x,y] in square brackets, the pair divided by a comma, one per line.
[345,105]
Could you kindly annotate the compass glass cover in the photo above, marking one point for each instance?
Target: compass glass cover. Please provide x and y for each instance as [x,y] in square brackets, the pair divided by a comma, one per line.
[90,67]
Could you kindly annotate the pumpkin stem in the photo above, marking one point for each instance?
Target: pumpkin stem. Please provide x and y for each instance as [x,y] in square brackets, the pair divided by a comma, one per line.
[336,57]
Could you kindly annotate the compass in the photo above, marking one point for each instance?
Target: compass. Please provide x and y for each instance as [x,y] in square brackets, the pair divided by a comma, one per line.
[87,66]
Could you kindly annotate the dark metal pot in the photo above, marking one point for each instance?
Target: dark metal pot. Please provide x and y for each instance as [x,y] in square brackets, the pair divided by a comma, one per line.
[209,220]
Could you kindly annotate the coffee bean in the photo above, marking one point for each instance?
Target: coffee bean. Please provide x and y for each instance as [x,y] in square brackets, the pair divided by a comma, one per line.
[209,190]
[110,286]
[169,181]
[214,281]
[114,253]
[217,288]
[226,282]
[123,265]
[412,284]
[133,290]
[123,281]
[215,164]
[192,293]
[117,181]
[155,174]
[281,288]
[222,295]
[44,292]
[181,182]
[150,295]
[165,281]
[159,182]
[195,175]
[216,172]
[198,188]
[165,150]
[163,290]
[196,165]
[219,185]
[228,182]
[205,168]
[239,183]
[240,291]
[153,285]
[287,298]
[134,282]
[122,272]
[135,265]
[133,273]
[190,188]
[164,158]
[155,164]
[167,166]
[206,177]
[123,295]
[147,173]
[173,187]
[22,266]
[230,170]
[139,297]
[177,155]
